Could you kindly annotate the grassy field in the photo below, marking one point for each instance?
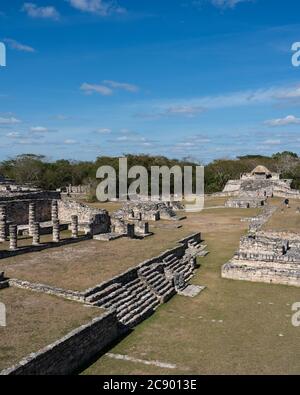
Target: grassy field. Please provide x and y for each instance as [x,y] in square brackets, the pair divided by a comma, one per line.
[231,328]
[35,320]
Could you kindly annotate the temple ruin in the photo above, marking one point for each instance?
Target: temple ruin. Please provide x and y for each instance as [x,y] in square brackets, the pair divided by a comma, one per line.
[253,189]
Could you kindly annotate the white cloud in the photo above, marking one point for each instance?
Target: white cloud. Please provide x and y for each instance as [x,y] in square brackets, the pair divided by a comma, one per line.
[188,111]
[103,131]
[289,120]
[92,88]
[70,142]
[39,129]
[18,46]
[227,3]
[99,7]
[13,135]
[223,4]
[47,12]
[121,85]
[272,142]
[9,121]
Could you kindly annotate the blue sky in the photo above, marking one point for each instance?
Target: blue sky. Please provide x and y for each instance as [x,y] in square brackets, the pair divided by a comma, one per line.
[203,79]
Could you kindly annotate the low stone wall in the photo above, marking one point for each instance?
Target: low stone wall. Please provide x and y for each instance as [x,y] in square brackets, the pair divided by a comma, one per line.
[71,352]
[262,272]
[63,293]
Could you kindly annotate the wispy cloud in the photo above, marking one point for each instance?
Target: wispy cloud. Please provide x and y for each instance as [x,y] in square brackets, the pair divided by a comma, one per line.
[223,4]
[108,87]
[272,142]
[121,85]
[197,105]
[70,142]
[9,121]
[93,88]
[103,131]
[47,12]
[289,120]
[18,46]
[13,135]
[99,7]
[39,130]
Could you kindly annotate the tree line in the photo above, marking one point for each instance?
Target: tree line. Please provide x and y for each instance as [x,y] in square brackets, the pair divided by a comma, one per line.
[37,171]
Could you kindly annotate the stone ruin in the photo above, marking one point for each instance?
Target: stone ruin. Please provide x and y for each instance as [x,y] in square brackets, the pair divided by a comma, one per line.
[149,211]
[253,189]
[270,257]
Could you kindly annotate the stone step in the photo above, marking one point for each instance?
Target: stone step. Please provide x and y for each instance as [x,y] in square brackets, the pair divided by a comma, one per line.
[134,308]
[153,280]
[101,294]
[139,309]
[108,303]
[124,301]
[151,275]
[164,289]
[147,271]
[143,315]
[169,258]
[136,288]
[160,282]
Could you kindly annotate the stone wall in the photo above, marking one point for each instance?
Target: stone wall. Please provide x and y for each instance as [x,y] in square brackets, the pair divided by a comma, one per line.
[72,351]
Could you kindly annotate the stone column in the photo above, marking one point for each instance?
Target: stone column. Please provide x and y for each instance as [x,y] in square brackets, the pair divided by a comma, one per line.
[2,223]
[56,231]
[54,210]
[32,217]
[36,234]
[130,231]
[13,237]
[74,226]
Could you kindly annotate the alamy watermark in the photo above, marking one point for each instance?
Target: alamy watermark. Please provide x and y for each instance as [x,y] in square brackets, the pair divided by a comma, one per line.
[296,56]
[296,315]
[187,186]
[2,314]
[2,55]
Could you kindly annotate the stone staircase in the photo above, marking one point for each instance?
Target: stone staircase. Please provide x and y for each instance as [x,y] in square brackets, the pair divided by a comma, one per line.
[198,249]
[180,266]
[138,298]
[154,277]
[133,301]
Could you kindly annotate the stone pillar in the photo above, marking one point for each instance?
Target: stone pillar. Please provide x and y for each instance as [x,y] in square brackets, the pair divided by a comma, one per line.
[2,223]
[130,231]
[54,210]
[13,237]
[56,231]
[32,217]
[74,226]
[36,234]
